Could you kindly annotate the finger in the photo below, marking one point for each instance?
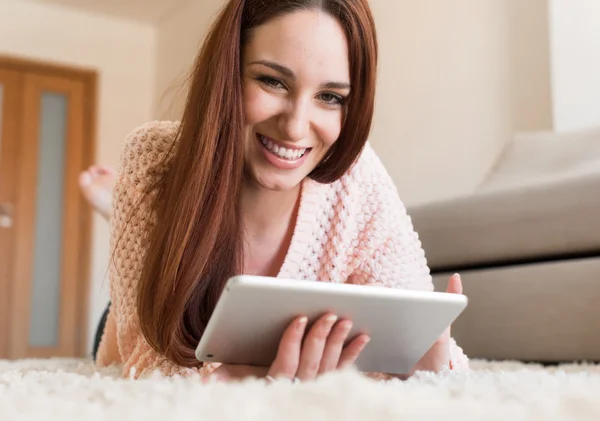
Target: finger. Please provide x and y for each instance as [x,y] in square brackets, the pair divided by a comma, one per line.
[288,353]
[241,371]
[230,372]
[454,287]
[375,284]
[455,284]
[221,374]
[314,344]
[334,346]
[352,351]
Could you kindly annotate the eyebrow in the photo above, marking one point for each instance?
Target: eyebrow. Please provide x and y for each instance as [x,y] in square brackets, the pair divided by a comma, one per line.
[288,73]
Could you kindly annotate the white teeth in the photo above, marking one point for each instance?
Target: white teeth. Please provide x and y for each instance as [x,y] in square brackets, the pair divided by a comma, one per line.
[280,151]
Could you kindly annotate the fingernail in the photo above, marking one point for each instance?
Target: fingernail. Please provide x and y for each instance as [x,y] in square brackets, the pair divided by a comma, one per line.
[457,275]
[366,340]
[347,325]
[302,323]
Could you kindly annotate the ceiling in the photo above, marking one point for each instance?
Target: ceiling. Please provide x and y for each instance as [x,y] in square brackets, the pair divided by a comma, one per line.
[149,11]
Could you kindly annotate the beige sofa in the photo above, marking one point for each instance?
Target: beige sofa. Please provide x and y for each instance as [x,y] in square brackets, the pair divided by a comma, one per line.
[527,244]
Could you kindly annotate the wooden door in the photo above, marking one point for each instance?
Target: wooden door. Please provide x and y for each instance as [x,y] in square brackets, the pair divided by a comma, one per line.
[10,90]
[45,240]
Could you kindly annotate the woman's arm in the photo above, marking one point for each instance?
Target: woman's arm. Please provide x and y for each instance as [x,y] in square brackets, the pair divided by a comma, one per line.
[392,251]
[140,166]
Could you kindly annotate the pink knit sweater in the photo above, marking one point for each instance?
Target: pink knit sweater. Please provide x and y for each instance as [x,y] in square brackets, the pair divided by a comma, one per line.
[354,230]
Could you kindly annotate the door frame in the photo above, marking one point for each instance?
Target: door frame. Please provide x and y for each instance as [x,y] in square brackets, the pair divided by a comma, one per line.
[9,144]
[89,78]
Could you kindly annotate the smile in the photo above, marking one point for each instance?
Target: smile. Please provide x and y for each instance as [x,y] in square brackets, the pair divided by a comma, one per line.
[285,158]
[291,154]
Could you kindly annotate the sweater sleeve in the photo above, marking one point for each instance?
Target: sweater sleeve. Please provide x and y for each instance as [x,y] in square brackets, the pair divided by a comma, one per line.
[141,164]
[390,247]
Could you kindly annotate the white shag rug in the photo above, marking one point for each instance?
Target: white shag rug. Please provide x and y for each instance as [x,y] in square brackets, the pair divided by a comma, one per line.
[75,390]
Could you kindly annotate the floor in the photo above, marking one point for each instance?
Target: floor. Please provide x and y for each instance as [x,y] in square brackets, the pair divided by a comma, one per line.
[75,390]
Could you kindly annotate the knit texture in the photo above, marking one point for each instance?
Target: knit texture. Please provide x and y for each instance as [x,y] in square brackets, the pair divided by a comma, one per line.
[355,230]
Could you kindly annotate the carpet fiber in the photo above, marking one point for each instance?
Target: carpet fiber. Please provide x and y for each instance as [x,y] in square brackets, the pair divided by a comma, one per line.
[74,390]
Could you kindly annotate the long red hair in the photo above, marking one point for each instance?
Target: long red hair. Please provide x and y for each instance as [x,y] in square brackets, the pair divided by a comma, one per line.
[196,244]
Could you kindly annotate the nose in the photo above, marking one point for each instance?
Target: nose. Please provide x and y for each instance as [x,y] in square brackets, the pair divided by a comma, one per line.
[294,122]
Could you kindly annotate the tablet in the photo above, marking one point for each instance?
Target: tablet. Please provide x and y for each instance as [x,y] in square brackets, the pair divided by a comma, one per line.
[253,312]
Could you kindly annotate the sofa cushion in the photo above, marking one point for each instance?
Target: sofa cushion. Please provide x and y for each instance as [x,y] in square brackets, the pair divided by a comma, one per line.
[538,157]
[544,220]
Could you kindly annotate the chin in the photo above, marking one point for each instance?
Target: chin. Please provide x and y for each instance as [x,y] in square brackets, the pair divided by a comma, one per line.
[277,182]
[279,185]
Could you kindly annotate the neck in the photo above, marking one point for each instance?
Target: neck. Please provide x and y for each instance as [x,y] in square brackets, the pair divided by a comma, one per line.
[263,209]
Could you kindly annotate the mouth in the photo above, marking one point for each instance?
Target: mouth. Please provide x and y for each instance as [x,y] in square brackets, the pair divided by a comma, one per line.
[280,156]
[281,152]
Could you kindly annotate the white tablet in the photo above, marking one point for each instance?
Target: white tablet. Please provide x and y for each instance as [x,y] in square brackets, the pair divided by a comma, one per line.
[253,312]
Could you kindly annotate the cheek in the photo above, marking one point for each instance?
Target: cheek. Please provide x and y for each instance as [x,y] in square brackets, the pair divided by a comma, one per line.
[258,105]
[329,128]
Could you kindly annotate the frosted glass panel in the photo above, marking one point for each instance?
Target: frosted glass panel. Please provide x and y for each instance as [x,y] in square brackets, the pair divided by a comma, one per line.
[45,305]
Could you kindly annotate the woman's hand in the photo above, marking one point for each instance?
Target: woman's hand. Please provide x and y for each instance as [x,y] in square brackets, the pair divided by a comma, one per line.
[438,356]
[320,351]
[302,356]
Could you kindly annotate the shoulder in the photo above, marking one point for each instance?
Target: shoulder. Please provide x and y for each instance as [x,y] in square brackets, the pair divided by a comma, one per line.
[372,201]
[147,152]
[368,162]
[371,184]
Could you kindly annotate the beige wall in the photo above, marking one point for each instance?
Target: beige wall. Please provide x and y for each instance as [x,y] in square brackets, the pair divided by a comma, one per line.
[575,47]
[528,33]
[456,79]
[179,38]
[123,53]
[443,105]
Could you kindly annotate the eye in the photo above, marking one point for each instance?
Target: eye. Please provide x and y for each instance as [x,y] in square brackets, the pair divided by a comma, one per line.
[271,82]
[332,99]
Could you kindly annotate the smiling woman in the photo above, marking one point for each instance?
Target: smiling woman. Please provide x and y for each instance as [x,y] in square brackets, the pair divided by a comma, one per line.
[293,97]
[269,173]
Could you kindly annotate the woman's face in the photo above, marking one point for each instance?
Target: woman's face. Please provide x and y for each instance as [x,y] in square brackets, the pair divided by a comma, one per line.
[296,80]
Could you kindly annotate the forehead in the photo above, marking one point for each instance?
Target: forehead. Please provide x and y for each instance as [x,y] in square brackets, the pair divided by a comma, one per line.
[311,43]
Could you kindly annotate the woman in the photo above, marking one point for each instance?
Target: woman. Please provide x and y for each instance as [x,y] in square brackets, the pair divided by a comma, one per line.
[268,173]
